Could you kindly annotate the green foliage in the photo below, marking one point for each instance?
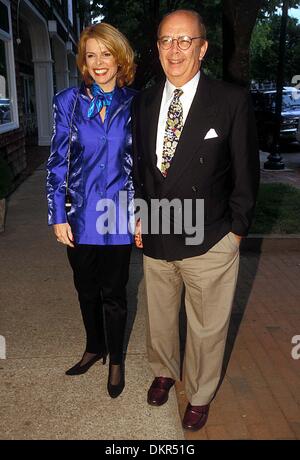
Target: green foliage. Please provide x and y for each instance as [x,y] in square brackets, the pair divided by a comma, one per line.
[264,49]
[270,7]
[138,20]
[6,179]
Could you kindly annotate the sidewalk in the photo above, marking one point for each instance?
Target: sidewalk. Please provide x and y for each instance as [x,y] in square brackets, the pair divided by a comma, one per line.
[290,174]
[40,319]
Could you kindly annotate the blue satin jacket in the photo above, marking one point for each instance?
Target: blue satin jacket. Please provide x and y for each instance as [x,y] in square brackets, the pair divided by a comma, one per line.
[100,168]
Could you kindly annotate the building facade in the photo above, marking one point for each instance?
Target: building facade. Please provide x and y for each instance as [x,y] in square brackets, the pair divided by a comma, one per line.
[37,58]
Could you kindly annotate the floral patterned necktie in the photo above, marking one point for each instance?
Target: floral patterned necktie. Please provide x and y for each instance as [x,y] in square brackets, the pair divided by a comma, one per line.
[173,130]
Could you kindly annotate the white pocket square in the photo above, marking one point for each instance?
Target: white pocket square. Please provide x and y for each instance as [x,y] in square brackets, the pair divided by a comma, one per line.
[210,134]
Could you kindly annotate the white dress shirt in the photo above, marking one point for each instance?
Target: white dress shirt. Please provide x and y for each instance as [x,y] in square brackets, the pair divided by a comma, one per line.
[189,90]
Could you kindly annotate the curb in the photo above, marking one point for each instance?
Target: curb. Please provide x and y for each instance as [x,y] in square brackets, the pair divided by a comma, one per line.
[270,243]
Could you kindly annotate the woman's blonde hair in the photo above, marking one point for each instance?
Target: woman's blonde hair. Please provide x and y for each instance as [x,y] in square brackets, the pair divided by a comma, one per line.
[116,43]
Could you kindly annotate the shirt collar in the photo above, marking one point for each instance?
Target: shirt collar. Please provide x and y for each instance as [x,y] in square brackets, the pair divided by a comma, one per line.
[188,88]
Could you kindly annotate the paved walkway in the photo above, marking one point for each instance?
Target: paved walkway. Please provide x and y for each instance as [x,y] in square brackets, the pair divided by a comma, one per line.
[39,317]
[41,322]
[290,174]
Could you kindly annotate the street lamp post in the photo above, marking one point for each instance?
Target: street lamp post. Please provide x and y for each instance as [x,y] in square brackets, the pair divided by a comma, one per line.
[274,161]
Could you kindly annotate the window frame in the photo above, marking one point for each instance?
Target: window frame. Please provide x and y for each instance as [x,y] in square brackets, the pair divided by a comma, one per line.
[70,12]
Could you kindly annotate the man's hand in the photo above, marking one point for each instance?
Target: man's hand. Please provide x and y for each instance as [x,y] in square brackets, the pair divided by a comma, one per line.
[138,234]
[64,234]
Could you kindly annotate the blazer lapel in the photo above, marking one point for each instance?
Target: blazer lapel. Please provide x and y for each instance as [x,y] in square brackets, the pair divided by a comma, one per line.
[198,122]
[151,121]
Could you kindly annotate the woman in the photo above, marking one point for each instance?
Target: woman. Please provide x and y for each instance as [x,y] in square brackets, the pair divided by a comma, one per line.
[93,124]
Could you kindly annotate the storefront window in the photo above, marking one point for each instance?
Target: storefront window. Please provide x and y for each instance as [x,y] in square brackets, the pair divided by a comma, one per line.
[8,99]
[5,109]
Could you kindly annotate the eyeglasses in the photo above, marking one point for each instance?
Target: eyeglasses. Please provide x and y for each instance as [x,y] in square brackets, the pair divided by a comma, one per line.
[183,42]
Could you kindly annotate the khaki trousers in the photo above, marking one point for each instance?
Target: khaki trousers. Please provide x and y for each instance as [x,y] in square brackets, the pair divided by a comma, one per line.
[210,281]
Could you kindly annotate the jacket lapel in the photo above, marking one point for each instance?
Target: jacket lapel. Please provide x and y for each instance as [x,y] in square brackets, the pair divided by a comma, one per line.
[153,103]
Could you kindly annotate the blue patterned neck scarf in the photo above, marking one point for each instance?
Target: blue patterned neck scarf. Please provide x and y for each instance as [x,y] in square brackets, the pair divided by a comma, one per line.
[100,99]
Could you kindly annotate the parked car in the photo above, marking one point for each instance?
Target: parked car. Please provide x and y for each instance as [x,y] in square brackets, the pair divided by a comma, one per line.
[5,116]
[264,106]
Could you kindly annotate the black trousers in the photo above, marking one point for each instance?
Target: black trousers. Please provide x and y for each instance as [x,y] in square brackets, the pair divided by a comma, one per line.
[100,278]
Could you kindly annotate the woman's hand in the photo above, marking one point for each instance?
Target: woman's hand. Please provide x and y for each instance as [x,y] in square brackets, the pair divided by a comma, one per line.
[138,234]
[64,234]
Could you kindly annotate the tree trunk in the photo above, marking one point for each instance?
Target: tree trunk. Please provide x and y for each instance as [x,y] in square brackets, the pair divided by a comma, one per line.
[239,17]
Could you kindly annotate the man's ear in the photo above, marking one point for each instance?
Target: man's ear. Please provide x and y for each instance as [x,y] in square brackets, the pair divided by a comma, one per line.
[203,49]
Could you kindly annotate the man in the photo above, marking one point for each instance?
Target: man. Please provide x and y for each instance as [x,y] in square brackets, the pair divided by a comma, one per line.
[194,139]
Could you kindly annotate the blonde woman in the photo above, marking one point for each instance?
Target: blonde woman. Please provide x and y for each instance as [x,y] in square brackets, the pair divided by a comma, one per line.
[92,127]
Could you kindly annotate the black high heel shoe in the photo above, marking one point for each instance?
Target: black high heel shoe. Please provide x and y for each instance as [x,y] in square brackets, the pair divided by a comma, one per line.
[115,390]
[79,369]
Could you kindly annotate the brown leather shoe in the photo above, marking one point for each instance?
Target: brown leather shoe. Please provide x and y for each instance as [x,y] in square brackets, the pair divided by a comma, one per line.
[159,391]
[195,417]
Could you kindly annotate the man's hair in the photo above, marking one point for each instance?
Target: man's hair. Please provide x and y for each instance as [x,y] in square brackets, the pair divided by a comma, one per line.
[116,43]
[194,13]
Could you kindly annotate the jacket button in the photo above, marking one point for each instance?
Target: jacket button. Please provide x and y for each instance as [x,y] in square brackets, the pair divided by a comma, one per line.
[102,166]
[201,159]
[139,158]
[194,188]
